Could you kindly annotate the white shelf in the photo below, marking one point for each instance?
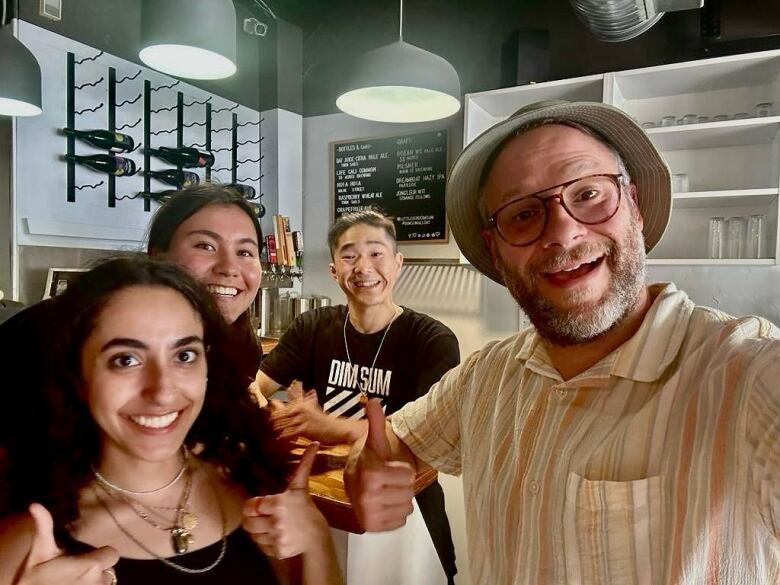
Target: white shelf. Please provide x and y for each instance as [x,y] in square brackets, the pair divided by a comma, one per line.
[711,262]
[502,103]
[734,165]
[716,134]
[706,75]
[730,198]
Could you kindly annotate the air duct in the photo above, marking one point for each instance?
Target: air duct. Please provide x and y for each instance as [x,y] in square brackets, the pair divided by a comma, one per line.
[621,20]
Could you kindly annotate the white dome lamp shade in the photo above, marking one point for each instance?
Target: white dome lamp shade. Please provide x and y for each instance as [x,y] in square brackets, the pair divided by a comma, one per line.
[401,83]
[20,77]
[194,39]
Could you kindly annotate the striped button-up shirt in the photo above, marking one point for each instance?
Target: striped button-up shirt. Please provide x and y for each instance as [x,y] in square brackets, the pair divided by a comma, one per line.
[658,465]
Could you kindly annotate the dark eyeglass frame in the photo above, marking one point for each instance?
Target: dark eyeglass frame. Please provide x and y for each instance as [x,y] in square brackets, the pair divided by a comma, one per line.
[619,179]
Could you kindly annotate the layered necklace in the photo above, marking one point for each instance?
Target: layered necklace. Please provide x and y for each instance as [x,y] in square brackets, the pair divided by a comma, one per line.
[180,529]
[362,387]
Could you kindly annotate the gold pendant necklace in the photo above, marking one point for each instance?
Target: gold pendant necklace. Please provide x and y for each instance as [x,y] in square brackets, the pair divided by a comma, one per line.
[183,524]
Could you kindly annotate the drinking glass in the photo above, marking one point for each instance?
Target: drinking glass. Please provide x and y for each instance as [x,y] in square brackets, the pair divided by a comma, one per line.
[720,118]
[668,121]
[763,110]
[735,237]
[754,242]
[715,245]
[689,119]
[741,116]
[680,183]
[648,125]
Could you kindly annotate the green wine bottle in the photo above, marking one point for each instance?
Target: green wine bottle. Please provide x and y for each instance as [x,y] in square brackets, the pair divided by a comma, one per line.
[113,141]
[175,177]
[104,163]
[185,157]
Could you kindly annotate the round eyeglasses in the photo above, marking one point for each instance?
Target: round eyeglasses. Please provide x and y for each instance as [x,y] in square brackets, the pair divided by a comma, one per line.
[590,200]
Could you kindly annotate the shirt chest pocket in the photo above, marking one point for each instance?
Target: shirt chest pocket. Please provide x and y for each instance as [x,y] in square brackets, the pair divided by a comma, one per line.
[616,531]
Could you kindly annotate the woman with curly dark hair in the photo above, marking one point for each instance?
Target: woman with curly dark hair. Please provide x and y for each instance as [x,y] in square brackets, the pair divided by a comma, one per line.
[141,464]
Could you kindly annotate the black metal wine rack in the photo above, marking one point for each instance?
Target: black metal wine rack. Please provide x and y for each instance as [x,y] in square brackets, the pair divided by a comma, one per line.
[149,134]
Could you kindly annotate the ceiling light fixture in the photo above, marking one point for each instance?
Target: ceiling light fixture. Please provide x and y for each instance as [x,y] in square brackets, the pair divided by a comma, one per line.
[20,81]
[194,39]
[400,83]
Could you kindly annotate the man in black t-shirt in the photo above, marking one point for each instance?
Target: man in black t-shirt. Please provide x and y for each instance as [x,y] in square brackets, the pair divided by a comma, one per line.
[370,348]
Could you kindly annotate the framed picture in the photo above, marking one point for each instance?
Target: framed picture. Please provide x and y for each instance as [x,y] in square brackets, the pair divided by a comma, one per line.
[59,279]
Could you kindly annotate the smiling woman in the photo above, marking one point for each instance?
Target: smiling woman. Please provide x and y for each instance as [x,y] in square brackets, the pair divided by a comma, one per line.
[146,448]
[211,231]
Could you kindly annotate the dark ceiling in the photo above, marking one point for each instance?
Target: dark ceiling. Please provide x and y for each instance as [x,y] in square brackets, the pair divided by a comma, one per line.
[480,38]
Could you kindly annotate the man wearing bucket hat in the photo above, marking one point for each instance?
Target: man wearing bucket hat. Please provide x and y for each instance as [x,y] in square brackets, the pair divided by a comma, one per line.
[628,435]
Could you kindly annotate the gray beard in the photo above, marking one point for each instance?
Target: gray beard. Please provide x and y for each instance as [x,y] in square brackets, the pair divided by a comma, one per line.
[580,324]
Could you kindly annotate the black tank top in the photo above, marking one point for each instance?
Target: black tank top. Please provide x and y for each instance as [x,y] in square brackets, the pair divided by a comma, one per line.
[243,562]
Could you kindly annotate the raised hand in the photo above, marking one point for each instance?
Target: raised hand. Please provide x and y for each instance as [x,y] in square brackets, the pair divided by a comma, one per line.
[48,564]
[381,490]
[303,417]
[287,524]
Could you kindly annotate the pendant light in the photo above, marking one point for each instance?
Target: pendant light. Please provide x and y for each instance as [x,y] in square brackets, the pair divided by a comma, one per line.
[195,39]
[20,76]
[400,83]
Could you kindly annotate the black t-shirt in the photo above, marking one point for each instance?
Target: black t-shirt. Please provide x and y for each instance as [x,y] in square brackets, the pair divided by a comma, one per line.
[243,563]
[415,353]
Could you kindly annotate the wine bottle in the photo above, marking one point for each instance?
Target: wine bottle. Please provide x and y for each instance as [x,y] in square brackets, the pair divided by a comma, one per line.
[246,191]
[175,177]
[104,163]
[186,156]
[259,209]
[113,141]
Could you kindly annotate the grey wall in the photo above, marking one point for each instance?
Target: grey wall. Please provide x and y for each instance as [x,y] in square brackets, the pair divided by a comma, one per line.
[5,206]
[749,290]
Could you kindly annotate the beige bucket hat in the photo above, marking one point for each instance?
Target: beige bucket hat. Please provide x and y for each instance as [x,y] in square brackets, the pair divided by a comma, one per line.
[645,165]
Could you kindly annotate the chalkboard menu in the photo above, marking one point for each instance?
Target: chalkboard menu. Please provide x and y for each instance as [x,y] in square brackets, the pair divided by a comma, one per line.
[403,176]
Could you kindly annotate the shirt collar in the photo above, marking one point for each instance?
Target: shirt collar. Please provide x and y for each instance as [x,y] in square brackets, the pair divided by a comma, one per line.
[643,358]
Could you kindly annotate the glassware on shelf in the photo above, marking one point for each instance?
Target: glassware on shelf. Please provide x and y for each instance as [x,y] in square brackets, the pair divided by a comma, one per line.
[741,116]
[648,125]
[668,121]
[716,237]
[754,241]
[703,119]
[735,237]
[689,119]
[680,122]
[680,183]
[720,118]
[763,110]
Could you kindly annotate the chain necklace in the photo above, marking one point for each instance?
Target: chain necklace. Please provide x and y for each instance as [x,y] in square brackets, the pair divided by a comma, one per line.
[163,560]
[183,524]
[361,387]
[176,478]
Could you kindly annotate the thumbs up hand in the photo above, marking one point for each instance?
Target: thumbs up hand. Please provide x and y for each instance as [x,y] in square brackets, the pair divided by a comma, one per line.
[381,490]
[47,563]
[287,524]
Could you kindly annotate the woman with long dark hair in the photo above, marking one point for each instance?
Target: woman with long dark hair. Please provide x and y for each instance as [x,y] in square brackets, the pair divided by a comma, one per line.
[148,447]
[213,232]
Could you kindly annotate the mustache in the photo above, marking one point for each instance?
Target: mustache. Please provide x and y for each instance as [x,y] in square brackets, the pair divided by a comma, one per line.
[556,261]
